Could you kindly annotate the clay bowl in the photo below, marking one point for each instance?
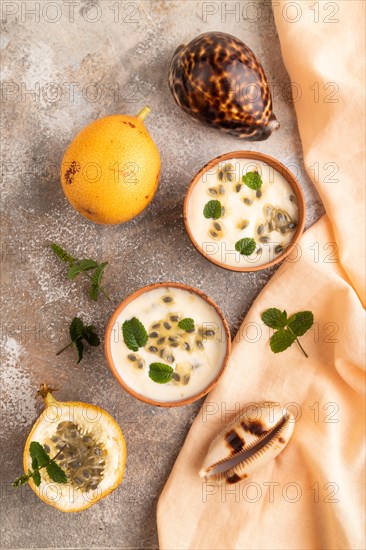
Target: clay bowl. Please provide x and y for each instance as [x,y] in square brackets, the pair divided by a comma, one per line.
[109,333]
[290,178]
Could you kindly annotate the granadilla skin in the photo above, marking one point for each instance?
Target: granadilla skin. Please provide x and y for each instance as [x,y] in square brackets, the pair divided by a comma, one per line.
[218,80]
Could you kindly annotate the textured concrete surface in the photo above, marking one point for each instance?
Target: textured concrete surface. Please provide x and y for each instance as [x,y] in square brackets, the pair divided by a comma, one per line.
[61,56]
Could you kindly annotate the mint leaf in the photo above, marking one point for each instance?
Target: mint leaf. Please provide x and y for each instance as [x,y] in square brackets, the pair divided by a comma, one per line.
[56,473]
[160,373]
[91,336]
[96,281]
[186,324]
[301,322]
[80,349]
[38,454]
[274,318]
[83,265]
[76,328]
[253,180]
[35,464]
[246,246]
[134,334]
[212,210]
[281,340]
[36,478]
[62,254]
[78,333]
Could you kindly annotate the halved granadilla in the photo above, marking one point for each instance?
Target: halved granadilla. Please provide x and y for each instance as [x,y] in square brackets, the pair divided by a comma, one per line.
[87,443]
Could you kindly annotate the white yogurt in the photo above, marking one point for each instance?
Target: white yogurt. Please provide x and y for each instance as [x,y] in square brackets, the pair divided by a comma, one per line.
[200,366]
[243,219]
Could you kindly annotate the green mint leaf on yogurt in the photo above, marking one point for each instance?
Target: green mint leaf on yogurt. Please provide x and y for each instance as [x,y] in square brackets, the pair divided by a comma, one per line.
[253,180]
[246,246]
[160,373]
[186,324]
[274,318]
[212,210]
[134,334]
[288,329]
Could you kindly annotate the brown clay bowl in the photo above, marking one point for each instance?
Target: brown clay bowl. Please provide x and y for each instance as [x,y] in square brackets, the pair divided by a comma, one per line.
[112,366]
[285,172]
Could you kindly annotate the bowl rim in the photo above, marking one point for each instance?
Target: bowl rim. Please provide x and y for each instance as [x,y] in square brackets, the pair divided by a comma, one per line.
[284,171]
[132,297]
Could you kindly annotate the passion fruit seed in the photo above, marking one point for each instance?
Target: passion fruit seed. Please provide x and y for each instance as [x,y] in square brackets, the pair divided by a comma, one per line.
[278,249]
[243,224]
[182,373]
[212,191]
[237,187]
[260,229]
[248,201]
[86,471]
[264,239]
[153,334]
[258,193]
[221,190]
[268,211]
[166,353]
[138,363]
[167,299]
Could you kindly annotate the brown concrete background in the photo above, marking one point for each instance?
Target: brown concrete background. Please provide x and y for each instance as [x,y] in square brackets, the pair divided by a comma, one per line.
[127,53]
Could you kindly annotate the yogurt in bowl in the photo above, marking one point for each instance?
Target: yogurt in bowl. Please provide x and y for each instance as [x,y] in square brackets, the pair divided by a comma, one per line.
[167,344]
[244,211]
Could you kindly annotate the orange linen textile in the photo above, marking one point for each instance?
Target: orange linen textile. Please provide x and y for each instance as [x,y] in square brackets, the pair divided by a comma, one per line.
[312,495]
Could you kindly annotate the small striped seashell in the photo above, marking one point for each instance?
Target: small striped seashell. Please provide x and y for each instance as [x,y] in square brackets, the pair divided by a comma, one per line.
[252,440]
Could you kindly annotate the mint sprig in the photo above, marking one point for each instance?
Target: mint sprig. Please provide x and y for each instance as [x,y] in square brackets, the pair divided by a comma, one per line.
[41,459]
[134,334]
[212,209]
[186,324]
[83,266]
[253,180]
[160,373]
[79,332]
[245,246]
[288,330]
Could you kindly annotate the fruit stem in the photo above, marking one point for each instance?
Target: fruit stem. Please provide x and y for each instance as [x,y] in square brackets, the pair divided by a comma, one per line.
[46,392]
[145,111]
